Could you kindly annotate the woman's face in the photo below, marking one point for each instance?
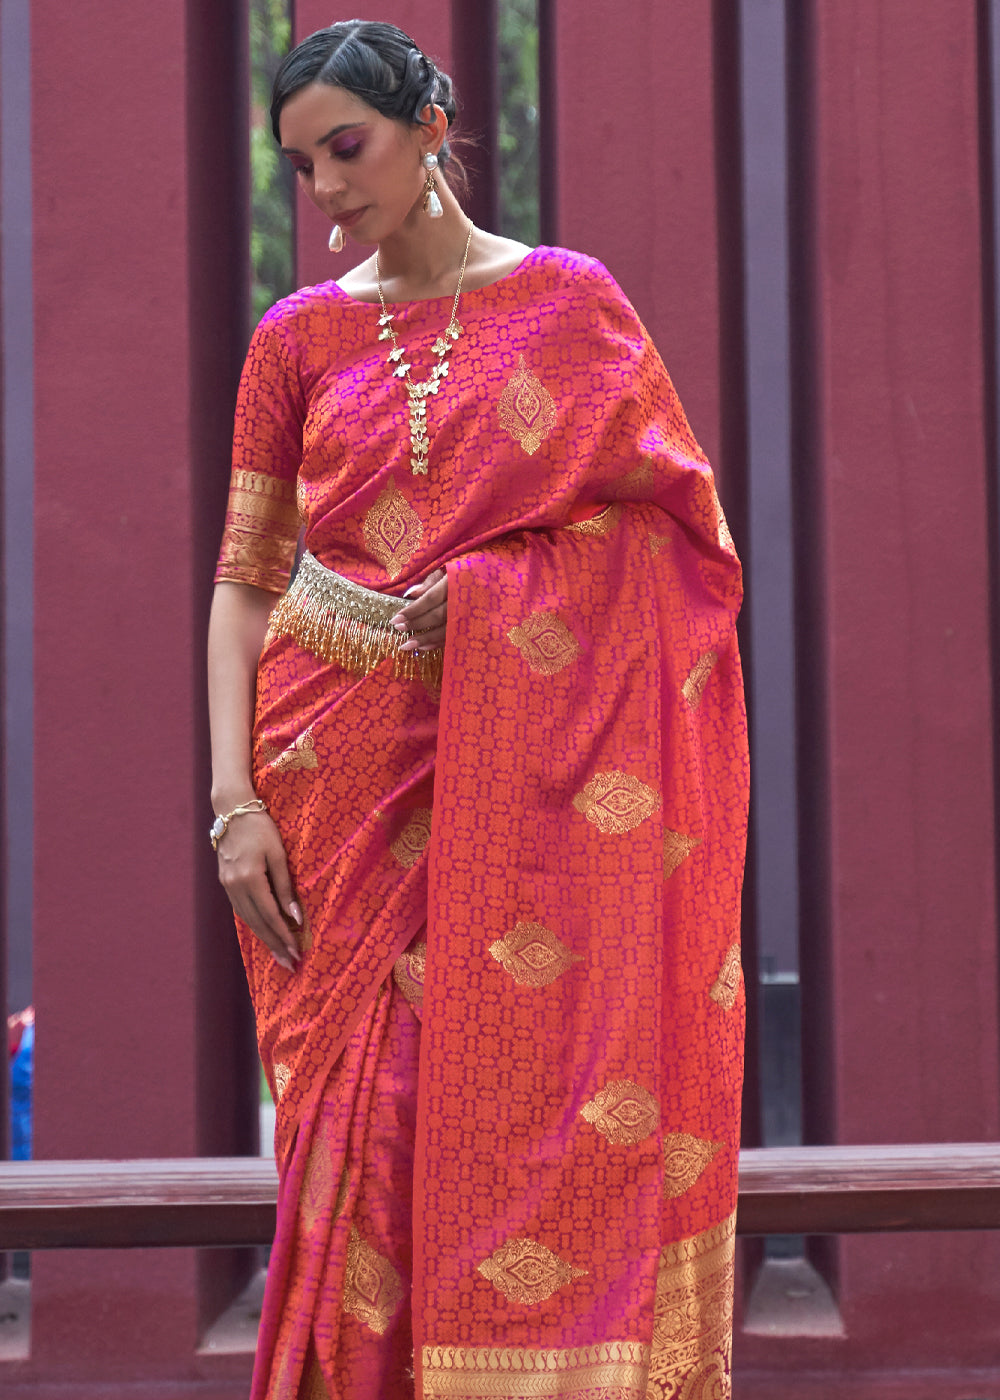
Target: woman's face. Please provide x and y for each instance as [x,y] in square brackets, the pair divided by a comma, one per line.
[361,169]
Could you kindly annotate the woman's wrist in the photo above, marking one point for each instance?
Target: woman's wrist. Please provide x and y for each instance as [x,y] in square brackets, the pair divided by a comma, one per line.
[226,796]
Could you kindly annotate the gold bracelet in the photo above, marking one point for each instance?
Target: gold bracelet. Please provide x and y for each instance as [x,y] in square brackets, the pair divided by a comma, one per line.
[220,826]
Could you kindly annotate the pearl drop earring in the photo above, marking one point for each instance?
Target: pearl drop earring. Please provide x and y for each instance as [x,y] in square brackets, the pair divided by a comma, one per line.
[336,242]
[432,200]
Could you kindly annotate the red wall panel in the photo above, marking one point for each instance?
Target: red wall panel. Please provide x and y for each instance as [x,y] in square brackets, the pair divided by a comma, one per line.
[139,324]
[635,180]
[900,962]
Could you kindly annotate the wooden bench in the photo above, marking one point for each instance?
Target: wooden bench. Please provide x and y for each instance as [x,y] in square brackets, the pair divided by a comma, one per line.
[231,1200]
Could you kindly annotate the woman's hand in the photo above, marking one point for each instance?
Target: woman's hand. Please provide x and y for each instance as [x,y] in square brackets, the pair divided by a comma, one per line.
[425,613]
[253,869]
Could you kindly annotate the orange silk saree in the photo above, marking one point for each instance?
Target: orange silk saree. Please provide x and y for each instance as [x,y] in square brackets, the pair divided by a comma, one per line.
[508,1070]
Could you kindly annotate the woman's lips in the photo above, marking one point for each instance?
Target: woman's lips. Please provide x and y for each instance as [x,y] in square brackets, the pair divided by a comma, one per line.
[349,217]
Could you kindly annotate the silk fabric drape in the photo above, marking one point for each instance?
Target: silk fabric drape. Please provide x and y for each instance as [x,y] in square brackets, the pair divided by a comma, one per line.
[547,854]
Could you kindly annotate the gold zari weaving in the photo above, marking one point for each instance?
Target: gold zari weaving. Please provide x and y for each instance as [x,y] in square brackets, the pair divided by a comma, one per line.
[615,1369]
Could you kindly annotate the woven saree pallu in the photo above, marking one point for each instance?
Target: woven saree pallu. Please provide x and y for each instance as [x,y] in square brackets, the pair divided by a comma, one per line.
[507,1071]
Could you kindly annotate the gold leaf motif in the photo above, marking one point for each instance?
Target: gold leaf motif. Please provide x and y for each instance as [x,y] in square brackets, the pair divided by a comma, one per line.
[527,410]
[533,955]
[545,642]
[316,1192]
[313,1384]
[408,974]
[676,849]
[604,1371]
[623,1111]
[342,1191]
[725,538]
[692,1317]
[412,841]
[282,1074]
[299,754]
[684,1159]
[372,1287]
[286,1378]
[392,530]
[698,679]
[727,984]
[616,802]
[301,499]
[526,1272]
[637,483]
[659,543]
[600,524]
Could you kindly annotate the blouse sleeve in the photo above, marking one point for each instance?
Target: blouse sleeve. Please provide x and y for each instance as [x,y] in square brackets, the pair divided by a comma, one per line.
[262,519]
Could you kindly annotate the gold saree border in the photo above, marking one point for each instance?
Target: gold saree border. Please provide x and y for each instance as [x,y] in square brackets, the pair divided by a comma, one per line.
[693,1317]
[616,1370]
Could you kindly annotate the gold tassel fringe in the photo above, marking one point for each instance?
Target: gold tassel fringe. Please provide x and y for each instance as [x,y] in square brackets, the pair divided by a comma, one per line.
[341,621]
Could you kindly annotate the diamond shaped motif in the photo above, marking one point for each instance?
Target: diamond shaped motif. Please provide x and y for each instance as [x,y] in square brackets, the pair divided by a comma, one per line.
[301,753]
[694,687]
[616,802]
[392,530]
[525,1271]
[412,841]
[409,972]
[727,985]
[372,1287]
[545,642]
[527,410]
[316,1192]
[676,849]
[533,955]
[623,1111]
[684,1159]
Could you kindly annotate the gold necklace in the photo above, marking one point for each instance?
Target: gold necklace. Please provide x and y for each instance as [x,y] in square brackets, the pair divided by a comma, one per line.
[419,444]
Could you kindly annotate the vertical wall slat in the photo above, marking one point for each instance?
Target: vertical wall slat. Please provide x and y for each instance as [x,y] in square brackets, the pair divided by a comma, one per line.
[18,491]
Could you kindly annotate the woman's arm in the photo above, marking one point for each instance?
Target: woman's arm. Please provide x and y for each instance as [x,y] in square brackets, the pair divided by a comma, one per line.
[252,863]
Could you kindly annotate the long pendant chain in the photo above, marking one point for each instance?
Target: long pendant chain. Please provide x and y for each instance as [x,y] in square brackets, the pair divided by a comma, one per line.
[419,443]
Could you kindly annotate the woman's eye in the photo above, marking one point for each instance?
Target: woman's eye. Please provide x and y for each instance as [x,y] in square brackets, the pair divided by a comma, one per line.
[302,169]
[347,152]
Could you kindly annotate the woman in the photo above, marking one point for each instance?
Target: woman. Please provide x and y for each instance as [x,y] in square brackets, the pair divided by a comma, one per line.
[483,831]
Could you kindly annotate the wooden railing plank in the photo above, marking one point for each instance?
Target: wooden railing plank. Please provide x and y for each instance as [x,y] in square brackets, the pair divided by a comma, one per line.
[231,1200]
[848,1190]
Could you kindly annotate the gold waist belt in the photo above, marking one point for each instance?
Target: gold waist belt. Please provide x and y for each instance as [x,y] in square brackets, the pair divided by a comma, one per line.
[341,621]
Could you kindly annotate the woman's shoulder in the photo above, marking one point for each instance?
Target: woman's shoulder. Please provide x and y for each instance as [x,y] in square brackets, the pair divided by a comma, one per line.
[583,283]
[299,308]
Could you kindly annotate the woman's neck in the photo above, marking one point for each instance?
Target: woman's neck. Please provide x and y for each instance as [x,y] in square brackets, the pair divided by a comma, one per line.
[422,257]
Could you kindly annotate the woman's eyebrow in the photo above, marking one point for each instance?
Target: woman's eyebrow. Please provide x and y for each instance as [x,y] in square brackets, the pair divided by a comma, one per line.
[335,131]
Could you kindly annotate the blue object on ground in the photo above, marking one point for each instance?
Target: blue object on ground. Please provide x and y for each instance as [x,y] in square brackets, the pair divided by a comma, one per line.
[21,1067]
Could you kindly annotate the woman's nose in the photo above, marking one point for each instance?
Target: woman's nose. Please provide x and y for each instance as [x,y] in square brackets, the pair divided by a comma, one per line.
[329,182]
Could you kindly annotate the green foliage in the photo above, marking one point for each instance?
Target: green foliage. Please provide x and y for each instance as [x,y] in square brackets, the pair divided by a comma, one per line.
[271,179]
[518,133]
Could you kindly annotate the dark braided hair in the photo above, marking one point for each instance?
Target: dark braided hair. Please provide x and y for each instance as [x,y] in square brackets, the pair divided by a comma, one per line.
[376,62]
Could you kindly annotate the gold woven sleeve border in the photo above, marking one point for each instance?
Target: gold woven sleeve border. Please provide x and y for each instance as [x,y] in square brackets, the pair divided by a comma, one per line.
[615,1369]
[262,530]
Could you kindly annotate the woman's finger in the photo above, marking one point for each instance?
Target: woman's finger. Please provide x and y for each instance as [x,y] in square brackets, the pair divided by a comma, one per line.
[281,883]
[253,869]
[247,907]
[429,639]
[422,599]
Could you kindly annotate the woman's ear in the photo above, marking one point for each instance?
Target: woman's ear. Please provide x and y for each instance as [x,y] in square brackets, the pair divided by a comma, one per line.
[433,129]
